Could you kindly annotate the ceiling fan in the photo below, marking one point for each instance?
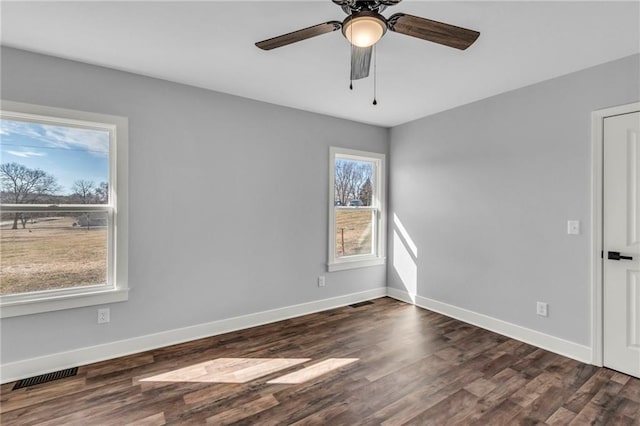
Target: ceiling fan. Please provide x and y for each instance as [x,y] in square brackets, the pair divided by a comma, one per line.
[365,25]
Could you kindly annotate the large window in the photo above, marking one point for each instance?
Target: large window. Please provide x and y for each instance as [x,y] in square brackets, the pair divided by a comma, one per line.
[357,209]
[62,212]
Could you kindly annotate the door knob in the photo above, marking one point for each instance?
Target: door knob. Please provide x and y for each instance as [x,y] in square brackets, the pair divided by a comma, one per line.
[615,255]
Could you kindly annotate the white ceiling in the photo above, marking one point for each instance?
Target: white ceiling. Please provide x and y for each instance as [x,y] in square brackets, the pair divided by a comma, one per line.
[210,44]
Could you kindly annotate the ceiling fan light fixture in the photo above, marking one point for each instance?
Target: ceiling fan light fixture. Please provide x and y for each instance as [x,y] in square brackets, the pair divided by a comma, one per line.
[364,29]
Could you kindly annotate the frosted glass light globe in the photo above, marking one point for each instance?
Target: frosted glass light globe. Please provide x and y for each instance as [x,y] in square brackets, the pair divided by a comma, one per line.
[364,31]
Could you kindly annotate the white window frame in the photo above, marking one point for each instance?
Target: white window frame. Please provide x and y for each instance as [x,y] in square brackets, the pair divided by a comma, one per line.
[116,289]
[378,205]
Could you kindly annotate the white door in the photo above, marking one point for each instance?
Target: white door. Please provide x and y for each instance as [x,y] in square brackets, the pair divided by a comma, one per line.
[621,237]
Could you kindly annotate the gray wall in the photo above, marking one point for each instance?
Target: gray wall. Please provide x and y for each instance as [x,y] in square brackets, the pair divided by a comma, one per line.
[485,191]
[228,203]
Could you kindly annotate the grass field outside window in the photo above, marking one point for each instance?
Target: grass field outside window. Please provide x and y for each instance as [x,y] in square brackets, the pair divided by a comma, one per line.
[61,172]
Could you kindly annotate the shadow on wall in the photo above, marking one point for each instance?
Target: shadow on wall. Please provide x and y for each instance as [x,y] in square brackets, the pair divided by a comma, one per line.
[405,258]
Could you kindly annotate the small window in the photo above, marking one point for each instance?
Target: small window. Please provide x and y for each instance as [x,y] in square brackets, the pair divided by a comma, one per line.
[357,209]
[59,219]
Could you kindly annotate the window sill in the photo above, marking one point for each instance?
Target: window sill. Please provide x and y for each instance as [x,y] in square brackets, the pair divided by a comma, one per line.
[13,306]
[353,264]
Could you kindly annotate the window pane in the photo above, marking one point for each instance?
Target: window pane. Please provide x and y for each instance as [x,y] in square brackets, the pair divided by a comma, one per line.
[354,183]
[47,251]
[53,164]
[354,231]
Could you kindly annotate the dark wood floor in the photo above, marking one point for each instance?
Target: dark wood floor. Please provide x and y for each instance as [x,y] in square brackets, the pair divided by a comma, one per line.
[385,363]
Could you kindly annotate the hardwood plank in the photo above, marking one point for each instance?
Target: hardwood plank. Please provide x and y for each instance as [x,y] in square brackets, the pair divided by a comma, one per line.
[413,367]
[603,407]
[152,420]
[124,363]
[322,417]
[501,414]
[562,416]
[629,409]
[40,394]
[631,390]
[480,387]
[235,414]
[583,395]
[544,406]
[451,410]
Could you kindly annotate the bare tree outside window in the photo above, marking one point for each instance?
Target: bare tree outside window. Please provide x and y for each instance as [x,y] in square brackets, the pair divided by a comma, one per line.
[350,178]
[84,191]
[102,193]
[22,185]
[365,193]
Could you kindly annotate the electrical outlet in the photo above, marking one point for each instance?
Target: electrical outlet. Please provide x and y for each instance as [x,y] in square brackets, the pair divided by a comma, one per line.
[573,227]
[321,281]
[104,315]
[542,309]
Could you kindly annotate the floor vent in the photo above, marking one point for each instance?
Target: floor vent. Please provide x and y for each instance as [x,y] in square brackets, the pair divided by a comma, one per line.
[49,377]
[365,303]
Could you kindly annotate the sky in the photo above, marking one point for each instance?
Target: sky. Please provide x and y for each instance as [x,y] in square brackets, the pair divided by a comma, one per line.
[67,153]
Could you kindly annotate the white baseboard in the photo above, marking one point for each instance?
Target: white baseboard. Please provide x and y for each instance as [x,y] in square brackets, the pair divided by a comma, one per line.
[35,366]
[553,344]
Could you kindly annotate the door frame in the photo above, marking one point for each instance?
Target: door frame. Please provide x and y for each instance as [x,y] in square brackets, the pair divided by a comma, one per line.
[597,225]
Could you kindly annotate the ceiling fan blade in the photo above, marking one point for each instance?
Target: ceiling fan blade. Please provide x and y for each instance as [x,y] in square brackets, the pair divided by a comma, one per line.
[360,62]
[299,35]
[437,32]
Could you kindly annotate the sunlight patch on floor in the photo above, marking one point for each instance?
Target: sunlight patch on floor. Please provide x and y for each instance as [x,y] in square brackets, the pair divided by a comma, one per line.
[312,371]
[227,370]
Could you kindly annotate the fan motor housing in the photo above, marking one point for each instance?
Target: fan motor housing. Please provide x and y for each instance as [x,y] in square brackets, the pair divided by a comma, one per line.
[353,6]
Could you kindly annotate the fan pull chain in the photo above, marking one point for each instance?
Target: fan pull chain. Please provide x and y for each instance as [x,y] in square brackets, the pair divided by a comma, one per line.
[375,69]
[351,69]
[351,60]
